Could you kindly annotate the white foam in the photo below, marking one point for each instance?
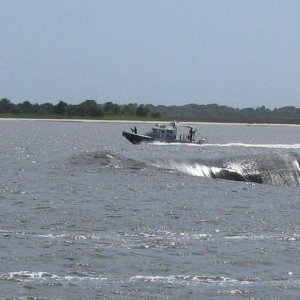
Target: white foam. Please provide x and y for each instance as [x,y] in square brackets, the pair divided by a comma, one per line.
[270,146]
[26,276]
[77,278]
[282,237]
[235,167]
[195,169]
[246,145]
[296,165]
[157,143]
[68,236]
[52,236]
[189,279]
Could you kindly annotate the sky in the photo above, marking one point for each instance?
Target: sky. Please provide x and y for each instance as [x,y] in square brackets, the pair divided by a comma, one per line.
[162,52]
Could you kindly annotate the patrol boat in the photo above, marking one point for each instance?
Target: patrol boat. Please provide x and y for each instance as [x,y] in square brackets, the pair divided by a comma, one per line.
[164,133]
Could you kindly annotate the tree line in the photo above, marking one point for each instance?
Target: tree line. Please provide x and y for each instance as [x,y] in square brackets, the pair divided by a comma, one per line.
[222,113]
[88,108]
[189,112]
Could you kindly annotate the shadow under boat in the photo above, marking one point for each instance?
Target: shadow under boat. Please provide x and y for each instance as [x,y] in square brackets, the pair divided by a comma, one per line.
[164,133]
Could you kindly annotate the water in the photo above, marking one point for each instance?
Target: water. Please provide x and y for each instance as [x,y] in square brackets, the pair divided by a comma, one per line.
[86,215]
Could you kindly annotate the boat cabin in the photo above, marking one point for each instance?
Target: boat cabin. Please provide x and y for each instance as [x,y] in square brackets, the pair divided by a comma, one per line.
[166,132]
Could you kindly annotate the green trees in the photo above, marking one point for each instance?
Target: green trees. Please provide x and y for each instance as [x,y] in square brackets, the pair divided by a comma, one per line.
[27,108]
[189,112]
[129,109]
[91,108]
[60,108]
[111,109]
[88,108]
[5,105]
[142,111]
[46,109]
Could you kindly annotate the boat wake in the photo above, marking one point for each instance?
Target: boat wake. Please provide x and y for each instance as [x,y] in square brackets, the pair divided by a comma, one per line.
[270,168]
[267,146]
[246,145]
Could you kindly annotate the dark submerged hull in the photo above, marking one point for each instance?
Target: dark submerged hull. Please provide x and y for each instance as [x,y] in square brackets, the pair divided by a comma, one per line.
[137,138]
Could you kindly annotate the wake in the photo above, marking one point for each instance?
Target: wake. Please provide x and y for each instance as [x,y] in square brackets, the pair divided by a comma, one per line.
[268,168]
[268,146]
[273,169]
[245,145]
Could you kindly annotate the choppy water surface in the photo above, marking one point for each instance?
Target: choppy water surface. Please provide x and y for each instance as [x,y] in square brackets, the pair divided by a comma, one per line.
[86,215]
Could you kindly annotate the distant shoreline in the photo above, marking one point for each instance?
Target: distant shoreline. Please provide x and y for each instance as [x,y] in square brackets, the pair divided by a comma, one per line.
[91,111]
[146,122]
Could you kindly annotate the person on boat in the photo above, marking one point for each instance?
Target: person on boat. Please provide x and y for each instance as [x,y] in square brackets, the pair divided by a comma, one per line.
[191,134]
[133,130]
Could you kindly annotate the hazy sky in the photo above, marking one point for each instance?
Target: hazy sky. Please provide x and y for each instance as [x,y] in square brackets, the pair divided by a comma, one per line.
[236,53]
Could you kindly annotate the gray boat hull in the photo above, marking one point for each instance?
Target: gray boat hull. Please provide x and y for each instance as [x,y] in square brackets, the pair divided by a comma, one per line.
[135,138]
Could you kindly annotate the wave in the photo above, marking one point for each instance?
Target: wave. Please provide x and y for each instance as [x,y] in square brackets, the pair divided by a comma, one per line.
[246,145]
[26,276]
[273,169]
[151,238]
[221,285]
[268,146]
[29,276]
[106,159]
[268,168]
[185,279]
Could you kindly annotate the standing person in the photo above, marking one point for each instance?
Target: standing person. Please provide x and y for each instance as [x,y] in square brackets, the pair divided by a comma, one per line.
[133,130]
[191,134]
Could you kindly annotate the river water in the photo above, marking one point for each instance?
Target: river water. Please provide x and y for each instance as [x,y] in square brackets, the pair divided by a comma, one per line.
[86,215]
